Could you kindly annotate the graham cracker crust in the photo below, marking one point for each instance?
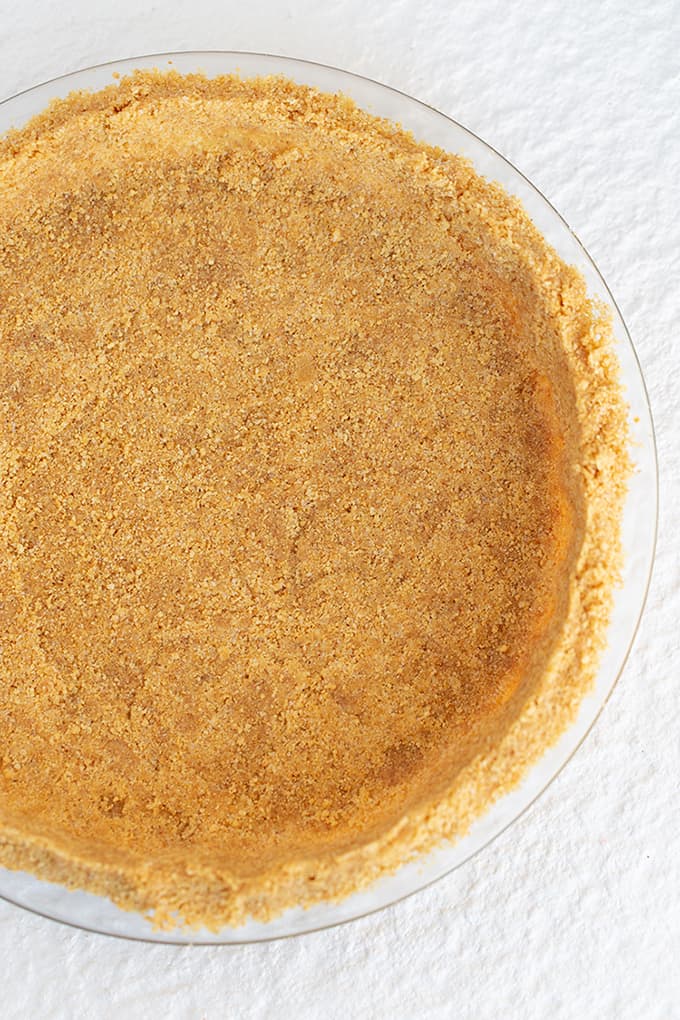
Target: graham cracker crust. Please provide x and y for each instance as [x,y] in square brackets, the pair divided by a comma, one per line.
[313,460]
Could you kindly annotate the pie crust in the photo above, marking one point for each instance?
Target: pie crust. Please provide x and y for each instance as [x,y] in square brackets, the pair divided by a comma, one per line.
[313,458]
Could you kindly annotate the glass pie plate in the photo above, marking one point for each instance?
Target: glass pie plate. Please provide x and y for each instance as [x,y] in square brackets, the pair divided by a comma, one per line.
[98,914]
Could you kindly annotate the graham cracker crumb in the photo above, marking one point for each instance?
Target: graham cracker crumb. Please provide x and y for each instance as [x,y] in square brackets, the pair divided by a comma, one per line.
[313,460]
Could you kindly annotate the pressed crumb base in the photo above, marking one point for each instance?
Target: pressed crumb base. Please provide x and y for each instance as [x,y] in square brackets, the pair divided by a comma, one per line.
[313,458]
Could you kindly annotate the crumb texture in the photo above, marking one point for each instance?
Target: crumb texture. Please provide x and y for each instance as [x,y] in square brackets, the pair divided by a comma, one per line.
[312,458]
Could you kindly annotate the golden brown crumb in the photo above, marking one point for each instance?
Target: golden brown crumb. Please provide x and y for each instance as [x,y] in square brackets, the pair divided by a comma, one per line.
[313,456]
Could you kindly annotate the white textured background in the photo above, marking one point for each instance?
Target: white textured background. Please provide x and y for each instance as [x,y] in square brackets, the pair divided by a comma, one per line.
[575,911]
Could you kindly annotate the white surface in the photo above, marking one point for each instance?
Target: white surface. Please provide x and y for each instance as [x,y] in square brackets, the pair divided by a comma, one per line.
[575,912]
